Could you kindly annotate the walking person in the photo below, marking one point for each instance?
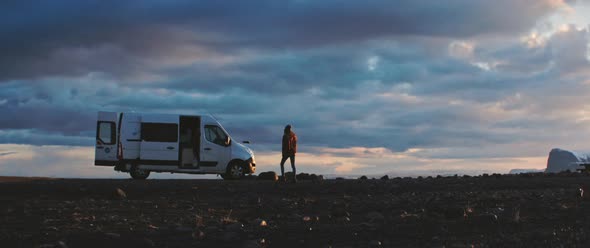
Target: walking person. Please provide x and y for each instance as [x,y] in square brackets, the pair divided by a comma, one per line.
[289,150]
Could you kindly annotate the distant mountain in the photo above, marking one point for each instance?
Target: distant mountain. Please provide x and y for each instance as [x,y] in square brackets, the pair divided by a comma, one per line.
[433,173]
[520,171]
[563,160]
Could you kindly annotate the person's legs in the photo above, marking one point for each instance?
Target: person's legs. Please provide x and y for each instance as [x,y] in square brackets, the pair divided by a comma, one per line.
[292,158]
[196,148]
[283,166]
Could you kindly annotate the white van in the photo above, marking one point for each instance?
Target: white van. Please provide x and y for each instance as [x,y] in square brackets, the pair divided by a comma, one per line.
[143,143]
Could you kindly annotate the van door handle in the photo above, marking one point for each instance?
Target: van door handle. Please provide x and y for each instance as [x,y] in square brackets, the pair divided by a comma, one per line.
[170,148]
[207,149]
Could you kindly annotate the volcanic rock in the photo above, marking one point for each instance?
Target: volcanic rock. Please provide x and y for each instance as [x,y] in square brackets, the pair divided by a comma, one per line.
[113,235]
[289,176]
[120,194]
[269,175]
[316,178]
[231,237]
[375,217]
[375,243]
[235,227]
[303,176]
[452,212]
[339,209]
[484,220]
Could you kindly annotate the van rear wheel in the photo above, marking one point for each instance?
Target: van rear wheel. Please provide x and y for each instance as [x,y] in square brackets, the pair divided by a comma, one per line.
[139,174]
[234,171]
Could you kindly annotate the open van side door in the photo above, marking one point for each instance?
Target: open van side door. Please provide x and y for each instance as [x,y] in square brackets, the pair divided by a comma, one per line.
[105,152]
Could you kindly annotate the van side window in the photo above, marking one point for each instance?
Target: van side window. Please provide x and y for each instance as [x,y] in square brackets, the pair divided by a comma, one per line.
[215,135]
[159,132]
[106,132]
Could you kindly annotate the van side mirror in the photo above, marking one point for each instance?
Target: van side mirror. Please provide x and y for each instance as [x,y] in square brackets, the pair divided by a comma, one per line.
[227,141]
[246,142]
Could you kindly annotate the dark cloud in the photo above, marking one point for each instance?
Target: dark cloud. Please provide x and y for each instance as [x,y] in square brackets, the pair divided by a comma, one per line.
[122,39]
[48,118]
[43,108]
[567,48]
[371,74]
[40,138]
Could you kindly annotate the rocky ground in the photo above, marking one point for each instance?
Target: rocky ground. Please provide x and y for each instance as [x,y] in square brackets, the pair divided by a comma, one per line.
[533,210]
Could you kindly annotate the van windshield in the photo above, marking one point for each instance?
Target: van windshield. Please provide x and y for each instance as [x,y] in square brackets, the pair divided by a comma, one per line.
[215,135]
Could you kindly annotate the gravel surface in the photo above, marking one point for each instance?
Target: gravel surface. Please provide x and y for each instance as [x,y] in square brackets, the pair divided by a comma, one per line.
[531,210]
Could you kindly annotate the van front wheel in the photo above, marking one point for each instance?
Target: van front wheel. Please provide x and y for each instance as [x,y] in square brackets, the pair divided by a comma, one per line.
[234,171]
[139,174]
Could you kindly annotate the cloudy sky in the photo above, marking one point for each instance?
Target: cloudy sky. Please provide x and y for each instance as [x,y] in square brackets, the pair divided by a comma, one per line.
[406,87]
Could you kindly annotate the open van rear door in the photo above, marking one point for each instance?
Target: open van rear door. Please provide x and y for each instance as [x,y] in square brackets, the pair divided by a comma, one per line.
[106,139]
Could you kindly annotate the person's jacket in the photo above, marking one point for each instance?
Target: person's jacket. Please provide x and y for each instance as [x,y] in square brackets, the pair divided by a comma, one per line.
[289,144]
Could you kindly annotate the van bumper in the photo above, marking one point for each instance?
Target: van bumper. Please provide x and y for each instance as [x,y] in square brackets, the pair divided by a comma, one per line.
[105,163]
[250,166]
